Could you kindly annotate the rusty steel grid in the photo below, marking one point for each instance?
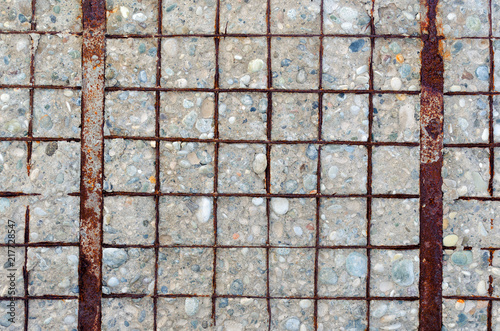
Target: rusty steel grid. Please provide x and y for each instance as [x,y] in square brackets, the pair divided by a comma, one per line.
[92,167]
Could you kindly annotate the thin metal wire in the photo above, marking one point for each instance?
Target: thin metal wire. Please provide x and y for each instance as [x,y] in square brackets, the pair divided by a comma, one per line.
[216,160]
[157,165]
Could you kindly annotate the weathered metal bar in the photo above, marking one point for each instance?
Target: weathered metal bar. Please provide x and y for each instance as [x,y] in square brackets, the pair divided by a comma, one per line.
[431,163]
[92,165]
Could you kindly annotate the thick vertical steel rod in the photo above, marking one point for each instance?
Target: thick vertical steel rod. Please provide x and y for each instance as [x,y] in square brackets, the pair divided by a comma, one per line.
[431,163]
[92,149]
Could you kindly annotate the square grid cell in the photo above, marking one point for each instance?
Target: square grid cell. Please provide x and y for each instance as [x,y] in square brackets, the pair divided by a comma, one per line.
[40,102]
[246,154]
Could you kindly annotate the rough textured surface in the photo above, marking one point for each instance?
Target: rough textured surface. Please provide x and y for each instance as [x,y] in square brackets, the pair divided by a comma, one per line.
[169,179]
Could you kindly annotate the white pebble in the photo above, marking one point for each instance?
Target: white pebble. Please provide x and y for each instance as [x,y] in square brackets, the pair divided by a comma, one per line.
[258,201]
[113,281]
[124,11]
[362,70]
[139,17]
[255,65]
[245,80]
[460,305]
[181,83]
[5,97]
[450,240]
[280,205]
[305,304]
[259,163]
[204,209]
[191,306]
[396,83]
[386,286]
[298,230]
[481,288]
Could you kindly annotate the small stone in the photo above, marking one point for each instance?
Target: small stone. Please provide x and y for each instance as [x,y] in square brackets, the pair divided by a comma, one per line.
[204,210]
[386,286]
[405,70]
[348,14]
[131,170]
[170,8]
[46,122]
[402,272]
[461,258]
[280,205]
[328,276]
[285,62]
[124,11]
[191,306]
[187,104]
[396,83]
[5,97]
[356,264]
[139,17]
[245,80]
[291,185]
[292,324]
[473,23]
[395,48]
[482,73]
[40,212]
[304,304]
[301,76]
[460,305]
[4,204]
[51,148]
[113,281]
[298,230]
[204,125]
[310,182]
[467,75]
[357,45]
[4,321]
[193,158]
[143,78]
[255,65]
[481,288]
[14,126]
[462,320]
[450,240]
[70,319]
[259,164]
[480,184]
[257,201]
[333,171]
[114,257]
[361,70]
[312,152]
[236,287]
[190,119]
[247,100]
